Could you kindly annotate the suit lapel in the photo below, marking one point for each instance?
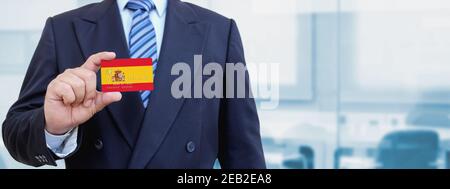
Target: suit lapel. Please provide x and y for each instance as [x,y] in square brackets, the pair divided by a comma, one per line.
[183,38]
[100,29]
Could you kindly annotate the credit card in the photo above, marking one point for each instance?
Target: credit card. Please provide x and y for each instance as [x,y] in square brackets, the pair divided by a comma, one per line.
[127,75]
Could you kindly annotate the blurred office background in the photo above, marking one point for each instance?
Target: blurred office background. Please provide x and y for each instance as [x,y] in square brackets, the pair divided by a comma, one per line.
[364,83]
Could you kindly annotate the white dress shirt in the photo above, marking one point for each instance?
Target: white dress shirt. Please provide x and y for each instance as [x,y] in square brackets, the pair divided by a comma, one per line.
[63,145]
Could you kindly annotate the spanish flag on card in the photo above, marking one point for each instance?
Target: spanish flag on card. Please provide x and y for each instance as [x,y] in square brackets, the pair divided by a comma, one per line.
[127,75]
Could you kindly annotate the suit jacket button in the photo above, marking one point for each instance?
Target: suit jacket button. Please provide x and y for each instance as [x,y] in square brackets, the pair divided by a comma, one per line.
[190,147]
[98,144]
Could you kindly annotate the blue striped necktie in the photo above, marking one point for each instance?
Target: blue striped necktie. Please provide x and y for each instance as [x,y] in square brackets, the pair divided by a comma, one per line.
[142,38]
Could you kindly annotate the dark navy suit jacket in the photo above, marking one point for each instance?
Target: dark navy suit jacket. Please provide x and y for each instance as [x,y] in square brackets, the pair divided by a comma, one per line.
[171,133]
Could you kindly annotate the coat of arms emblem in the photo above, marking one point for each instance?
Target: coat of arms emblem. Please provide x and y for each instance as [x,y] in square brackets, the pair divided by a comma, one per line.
[118,76]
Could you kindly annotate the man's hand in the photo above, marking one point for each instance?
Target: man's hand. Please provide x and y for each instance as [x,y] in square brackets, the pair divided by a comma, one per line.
[72,98]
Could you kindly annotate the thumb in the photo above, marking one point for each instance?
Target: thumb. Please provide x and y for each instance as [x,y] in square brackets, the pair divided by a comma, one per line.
[93,62]
[104,99]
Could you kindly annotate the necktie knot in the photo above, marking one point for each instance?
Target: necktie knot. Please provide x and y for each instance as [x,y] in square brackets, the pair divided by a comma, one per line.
[144,5]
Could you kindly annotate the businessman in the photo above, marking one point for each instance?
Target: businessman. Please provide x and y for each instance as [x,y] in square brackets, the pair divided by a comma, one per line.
[61,112]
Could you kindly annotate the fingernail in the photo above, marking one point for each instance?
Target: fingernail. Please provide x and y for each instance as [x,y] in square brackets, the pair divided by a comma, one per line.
[88,103]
